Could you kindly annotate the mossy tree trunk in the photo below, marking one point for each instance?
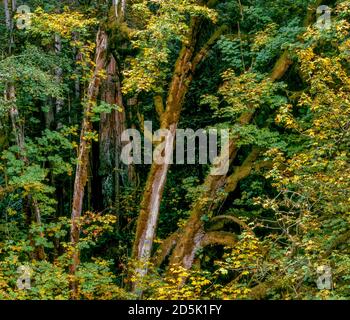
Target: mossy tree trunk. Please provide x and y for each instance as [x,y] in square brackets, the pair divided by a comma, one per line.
[148,218]
[81,173]
[193,233]
[113,172]
[185,66]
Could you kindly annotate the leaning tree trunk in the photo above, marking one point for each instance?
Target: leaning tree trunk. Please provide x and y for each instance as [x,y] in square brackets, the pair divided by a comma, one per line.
[84,149]
[185,67]
[194,236]
[148,218]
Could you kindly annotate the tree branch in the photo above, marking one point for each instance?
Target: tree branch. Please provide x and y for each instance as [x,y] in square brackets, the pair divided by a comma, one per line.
[219,238]
[158,102]
[338,241]
[200,56]
[281,66]
[242,171]
[165,248]
[234,219]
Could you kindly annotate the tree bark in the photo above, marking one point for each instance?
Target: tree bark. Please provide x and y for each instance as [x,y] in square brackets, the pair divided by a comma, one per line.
[148,218]
[9,10]
[84,149]
[113,172]
[193,232]
[222,238]
[182,77]
[192,237]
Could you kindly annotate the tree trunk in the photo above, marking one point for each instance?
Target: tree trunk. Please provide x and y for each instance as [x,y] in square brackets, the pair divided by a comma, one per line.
[148,218]
[59,74]
[182,77]
[9,10]
[193,232]
[112,171]
[84,149]
[114,174]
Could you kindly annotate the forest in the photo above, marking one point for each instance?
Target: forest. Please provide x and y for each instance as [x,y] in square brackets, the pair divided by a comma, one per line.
[175,149]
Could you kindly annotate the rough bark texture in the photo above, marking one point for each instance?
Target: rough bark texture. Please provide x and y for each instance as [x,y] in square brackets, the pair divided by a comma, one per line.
[165,248]
[222,238]
[193,232]
[114,174]
[182,78]
[84,148]
[7,15]
[112,171]
[149,212]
